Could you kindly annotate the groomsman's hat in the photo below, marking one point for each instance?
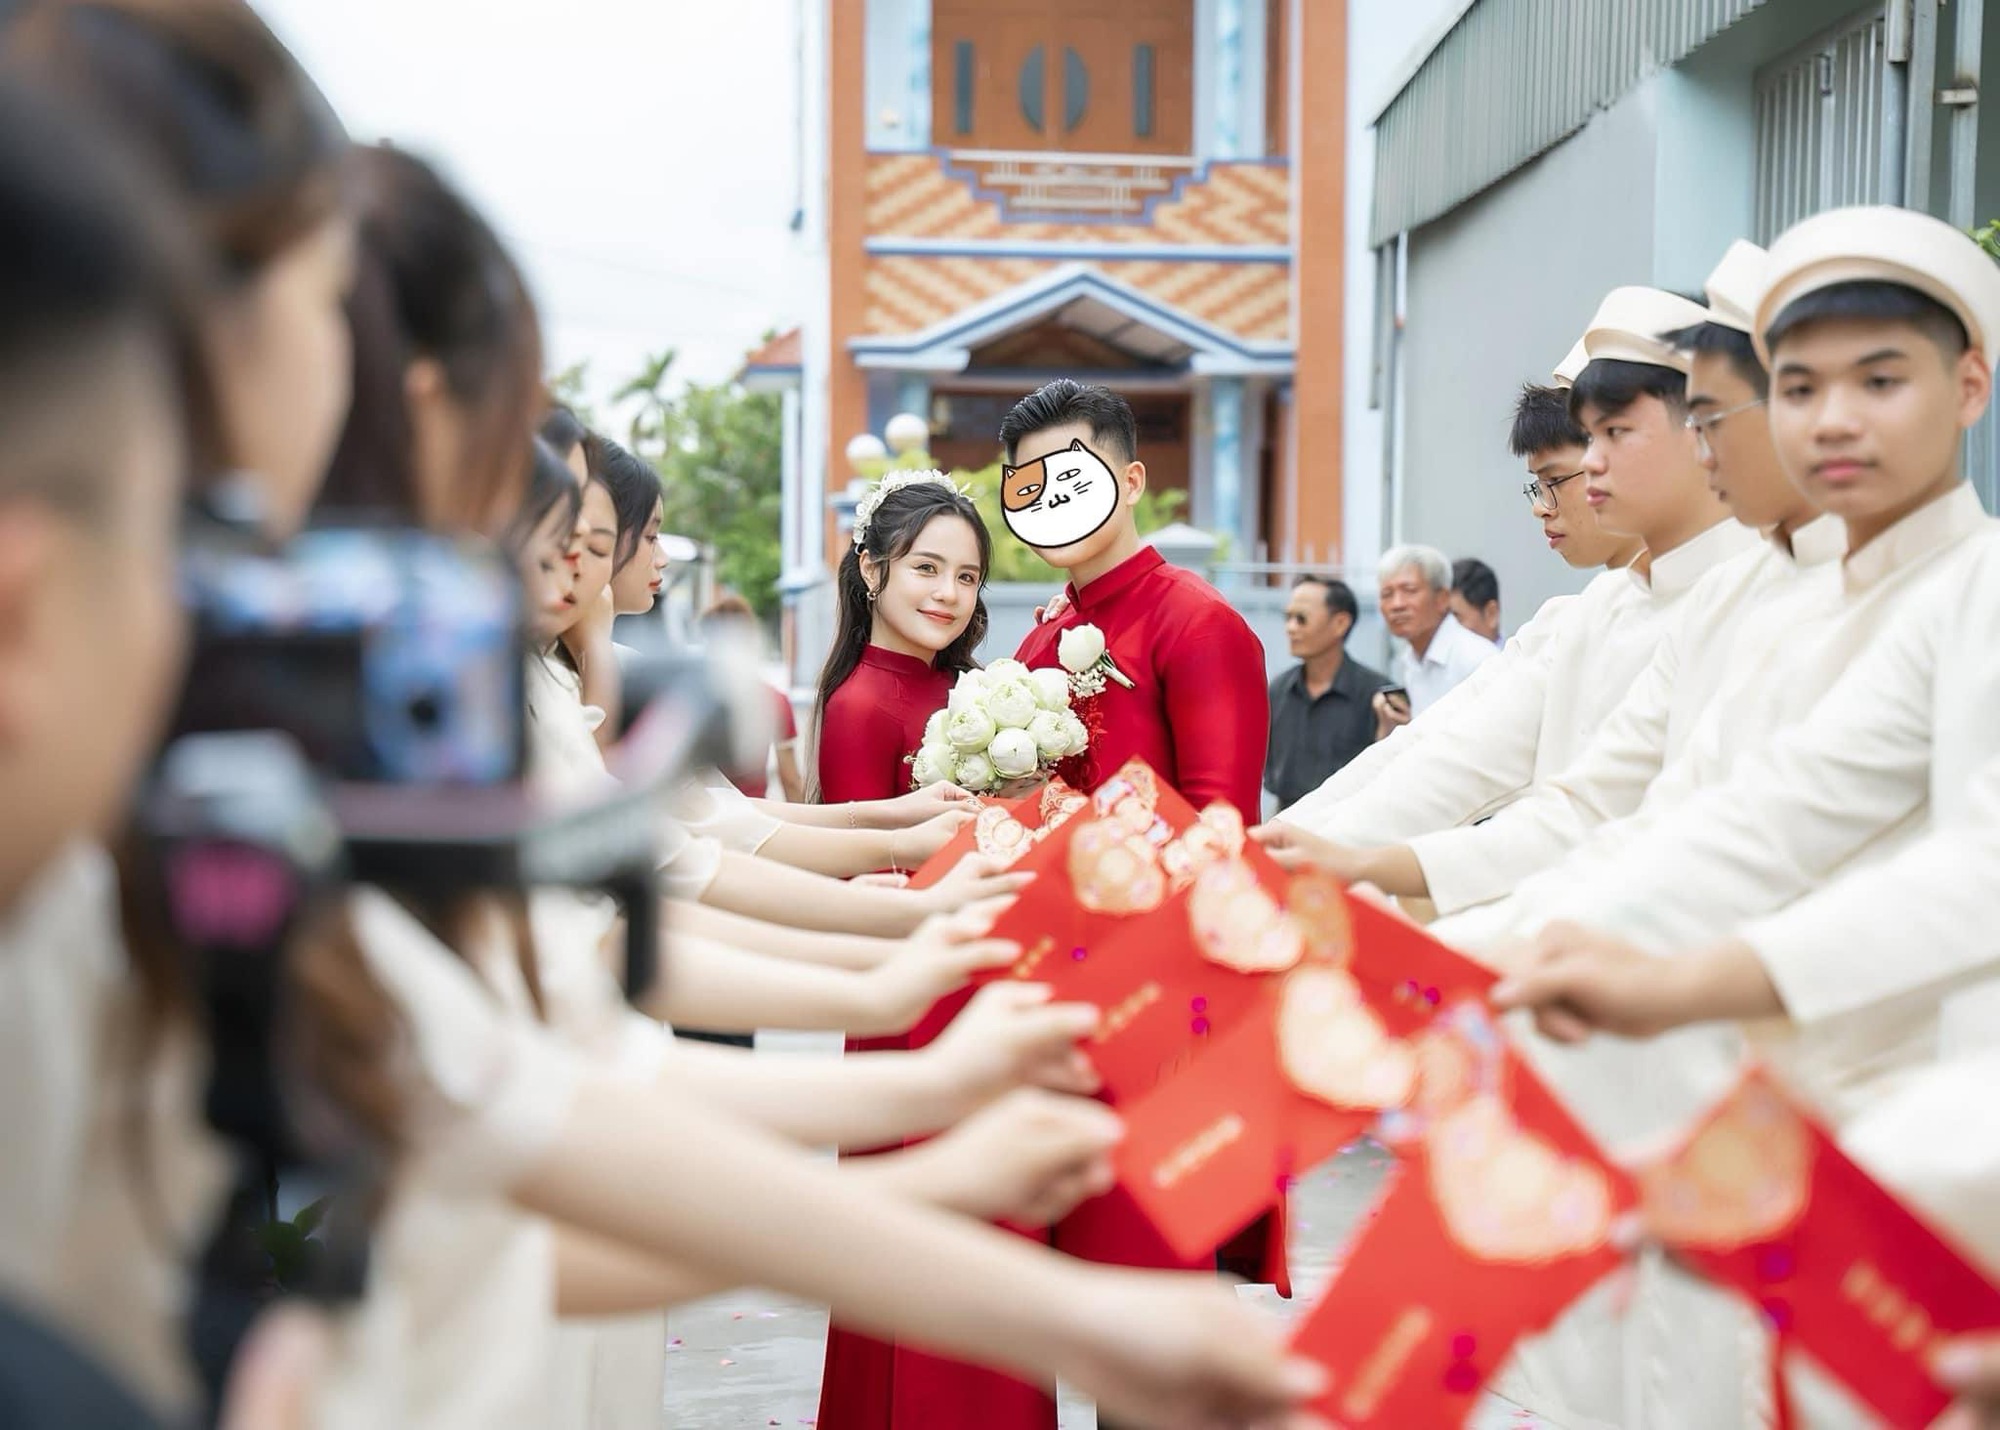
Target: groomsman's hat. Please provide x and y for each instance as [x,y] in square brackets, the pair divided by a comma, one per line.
[1630,320]
[1733,287]
[1574,362]
[1884,245]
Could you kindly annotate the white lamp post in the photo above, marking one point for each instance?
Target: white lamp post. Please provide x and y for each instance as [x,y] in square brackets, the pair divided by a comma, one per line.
[907,432]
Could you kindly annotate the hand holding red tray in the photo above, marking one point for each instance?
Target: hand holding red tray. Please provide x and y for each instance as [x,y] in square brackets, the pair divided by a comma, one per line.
[1004,830]
[1500,1216]
[1759,1198]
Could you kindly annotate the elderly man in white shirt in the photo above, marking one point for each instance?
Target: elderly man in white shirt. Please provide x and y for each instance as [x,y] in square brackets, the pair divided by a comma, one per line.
[1438,653]
[1536,713]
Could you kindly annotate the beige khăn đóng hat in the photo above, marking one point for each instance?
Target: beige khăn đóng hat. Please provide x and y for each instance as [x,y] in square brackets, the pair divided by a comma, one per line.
[1574,361]
[1733,287]
[1630,320]
[1882,244]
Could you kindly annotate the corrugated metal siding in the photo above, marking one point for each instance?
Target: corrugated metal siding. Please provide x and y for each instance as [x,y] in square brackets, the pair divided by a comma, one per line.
[1512,78]
[1819,127]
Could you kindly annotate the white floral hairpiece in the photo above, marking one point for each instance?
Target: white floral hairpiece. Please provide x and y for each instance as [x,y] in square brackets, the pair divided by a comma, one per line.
[864,510]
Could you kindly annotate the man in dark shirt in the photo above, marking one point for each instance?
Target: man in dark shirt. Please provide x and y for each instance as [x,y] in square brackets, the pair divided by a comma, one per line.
[1321,715]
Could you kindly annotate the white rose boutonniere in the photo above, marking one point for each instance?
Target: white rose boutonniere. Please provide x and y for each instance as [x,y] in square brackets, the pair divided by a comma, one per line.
[1079,648]
[1082,653]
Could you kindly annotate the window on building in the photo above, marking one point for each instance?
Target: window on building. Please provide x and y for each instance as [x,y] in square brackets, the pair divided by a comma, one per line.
[1082,76]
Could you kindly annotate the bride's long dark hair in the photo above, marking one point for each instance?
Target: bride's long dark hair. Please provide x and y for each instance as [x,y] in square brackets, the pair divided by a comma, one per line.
[892,531]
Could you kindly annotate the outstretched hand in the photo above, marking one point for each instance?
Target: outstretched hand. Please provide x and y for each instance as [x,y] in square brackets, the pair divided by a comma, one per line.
[1029,1158]
[940,958]
[921,842]
[1971,1367]
[973,879]
[1578,981]
[908,810]
[1180,1351]
[1011,1035]
[1291,847]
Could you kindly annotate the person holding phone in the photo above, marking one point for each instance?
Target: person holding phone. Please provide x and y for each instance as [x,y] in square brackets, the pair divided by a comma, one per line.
[1438,652]
[1391,705]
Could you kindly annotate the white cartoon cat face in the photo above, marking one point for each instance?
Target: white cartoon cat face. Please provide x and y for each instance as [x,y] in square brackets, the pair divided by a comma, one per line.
[1059,499]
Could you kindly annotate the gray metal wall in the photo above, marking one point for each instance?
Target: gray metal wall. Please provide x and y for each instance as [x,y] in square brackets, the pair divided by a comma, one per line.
[1649,191]
[1514,77]
[1498,290]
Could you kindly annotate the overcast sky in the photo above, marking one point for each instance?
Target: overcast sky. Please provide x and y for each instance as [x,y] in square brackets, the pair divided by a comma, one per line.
[639,155]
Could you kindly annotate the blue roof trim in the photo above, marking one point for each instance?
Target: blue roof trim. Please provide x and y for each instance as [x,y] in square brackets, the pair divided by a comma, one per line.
[1046,295]
[1096,251]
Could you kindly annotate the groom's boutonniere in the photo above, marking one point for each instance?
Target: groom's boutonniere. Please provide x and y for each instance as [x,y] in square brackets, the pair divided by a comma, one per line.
[1082,653]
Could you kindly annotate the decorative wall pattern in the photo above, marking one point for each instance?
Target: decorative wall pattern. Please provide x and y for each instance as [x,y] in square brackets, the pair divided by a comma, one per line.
[1249,300]
[936,196]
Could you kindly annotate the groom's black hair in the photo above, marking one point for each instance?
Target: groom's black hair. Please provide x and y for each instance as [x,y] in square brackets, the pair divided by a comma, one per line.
[1065,401]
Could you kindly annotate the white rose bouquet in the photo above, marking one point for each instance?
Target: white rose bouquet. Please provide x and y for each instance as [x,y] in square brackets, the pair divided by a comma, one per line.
[1082,653]
[1001,724]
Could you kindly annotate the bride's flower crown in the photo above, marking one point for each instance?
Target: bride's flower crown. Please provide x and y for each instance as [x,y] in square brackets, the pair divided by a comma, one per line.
[864,510]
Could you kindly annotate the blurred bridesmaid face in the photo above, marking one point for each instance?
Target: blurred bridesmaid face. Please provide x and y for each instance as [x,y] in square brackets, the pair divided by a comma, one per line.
[930,591]
[636,584]
[548,574]
[597,537]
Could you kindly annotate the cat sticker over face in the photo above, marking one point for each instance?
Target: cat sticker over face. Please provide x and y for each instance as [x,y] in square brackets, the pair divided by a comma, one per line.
[1059,499]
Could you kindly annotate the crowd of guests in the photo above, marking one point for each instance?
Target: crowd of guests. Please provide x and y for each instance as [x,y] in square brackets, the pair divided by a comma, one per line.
[1445,618]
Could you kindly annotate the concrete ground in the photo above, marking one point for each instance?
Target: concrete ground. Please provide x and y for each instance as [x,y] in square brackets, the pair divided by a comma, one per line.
[750,1359]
